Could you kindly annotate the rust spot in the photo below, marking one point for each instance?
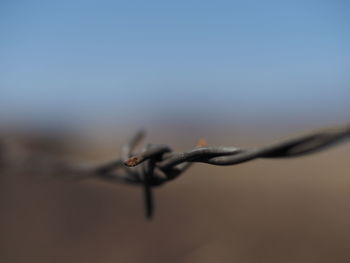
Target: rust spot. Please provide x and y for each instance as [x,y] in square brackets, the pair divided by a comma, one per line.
[132,161]
[202,143]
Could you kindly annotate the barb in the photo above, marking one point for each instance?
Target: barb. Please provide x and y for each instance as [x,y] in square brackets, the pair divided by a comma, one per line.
[147,171]
[157,164]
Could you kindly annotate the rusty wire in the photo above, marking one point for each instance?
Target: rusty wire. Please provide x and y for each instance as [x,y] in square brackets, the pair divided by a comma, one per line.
[157,164]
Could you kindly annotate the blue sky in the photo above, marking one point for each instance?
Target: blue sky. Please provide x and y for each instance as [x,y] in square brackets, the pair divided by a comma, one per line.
[128,60]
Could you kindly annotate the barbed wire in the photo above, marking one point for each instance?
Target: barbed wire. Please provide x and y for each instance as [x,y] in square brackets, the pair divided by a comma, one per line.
[157,164]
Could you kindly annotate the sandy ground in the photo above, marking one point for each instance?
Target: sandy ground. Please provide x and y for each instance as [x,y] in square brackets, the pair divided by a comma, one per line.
[294,210]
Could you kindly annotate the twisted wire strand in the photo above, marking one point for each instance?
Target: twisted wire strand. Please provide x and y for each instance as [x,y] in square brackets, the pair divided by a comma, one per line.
[159,164]
[230,156]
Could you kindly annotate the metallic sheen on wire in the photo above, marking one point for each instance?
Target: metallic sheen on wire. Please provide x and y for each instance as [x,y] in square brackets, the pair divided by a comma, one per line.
[159,164]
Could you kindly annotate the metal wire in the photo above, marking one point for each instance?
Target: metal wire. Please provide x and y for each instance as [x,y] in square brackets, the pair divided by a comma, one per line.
[160,164]
[157,164]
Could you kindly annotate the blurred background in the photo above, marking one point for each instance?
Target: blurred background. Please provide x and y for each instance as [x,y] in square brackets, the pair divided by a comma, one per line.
[78,78]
